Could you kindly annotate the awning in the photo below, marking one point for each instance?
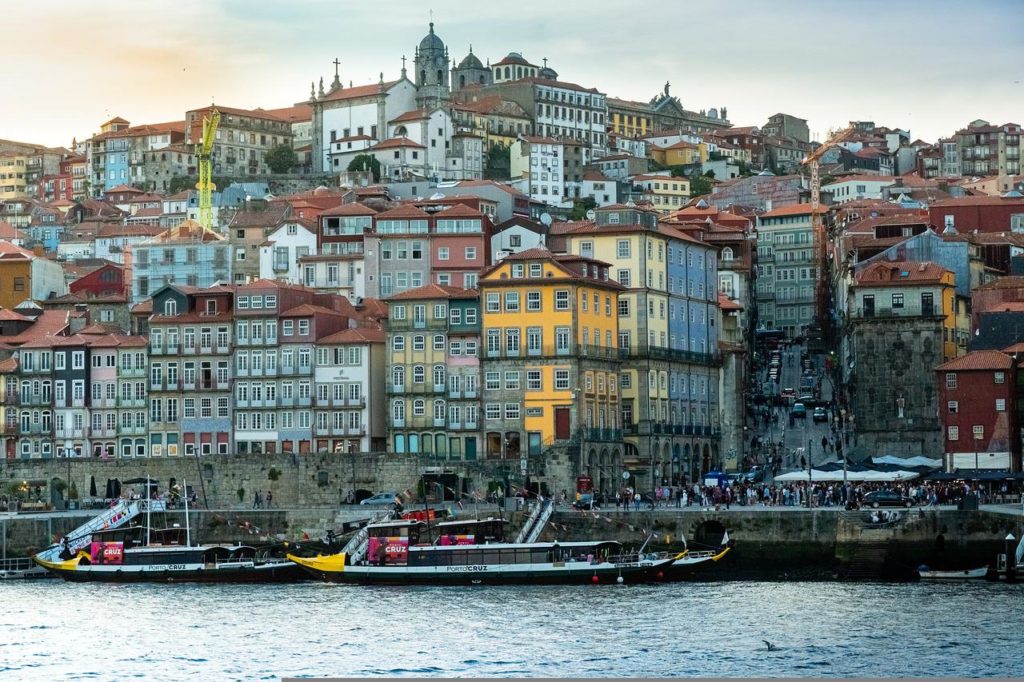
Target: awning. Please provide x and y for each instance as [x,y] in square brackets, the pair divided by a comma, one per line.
[818,475]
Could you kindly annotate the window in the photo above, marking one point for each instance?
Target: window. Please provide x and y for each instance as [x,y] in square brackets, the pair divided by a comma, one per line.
[511,301]
[398,312]
[950,379]
[622,249]
[533,301]
[442,253]
[953,406]
[419,374]
[624,278]
[511,410]
[492,411]
[492,381]
[494,302]
[512,381]
[623,307]
[398,343]
[303,327]
[1000,404]
[512,341]
[978,431]
[561,380]
[533,380]
[897,300]
[455,316]
[470,253]
[953,433]
[999,377]
[562,299]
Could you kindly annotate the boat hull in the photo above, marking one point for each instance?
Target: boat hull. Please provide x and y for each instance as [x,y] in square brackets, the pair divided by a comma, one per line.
[689,565]
[968,574]
[273,572]
[569,573]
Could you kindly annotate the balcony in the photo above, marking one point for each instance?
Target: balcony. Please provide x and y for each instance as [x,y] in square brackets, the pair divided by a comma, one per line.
[573,351]
[34,429]
[131,402]
[398,423]
[131,430]
[673,355]
[906,311]
[129,372]
[416,389]
[601,434]
[439,422]
[102,433]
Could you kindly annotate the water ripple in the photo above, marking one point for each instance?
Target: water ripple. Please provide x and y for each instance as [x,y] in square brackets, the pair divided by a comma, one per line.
[237,632]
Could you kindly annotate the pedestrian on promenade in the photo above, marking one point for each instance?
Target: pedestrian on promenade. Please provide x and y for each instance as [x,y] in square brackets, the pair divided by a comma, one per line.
[270,499]
[257,501]
[636,501]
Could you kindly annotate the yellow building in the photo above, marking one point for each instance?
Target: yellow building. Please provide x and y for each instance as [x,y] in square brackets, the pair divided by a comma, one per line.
[12,174]
[666,194]
[550,360]
[681,153]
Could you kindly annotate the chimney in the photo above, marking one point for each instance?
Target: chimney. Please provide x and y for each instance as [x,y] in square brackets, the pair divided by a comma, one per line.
[126,273]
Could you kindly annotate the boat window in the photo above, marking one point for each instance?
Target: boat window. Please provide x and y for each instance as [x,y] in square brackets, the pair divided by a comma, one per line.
[489,557]
[459,557]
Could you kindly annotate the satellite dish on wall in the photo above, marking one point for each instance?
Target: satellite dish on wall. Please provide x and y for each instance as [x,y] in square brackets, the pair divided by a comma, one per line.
[545,218]
[590,214]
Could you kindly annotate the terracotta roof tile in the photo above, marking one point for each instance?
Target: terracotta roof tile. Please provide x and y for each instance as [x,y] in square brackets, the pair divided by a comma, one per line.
[357,335]
[395,142]
[358,91]
[434,291]
[978,360]
[353,209]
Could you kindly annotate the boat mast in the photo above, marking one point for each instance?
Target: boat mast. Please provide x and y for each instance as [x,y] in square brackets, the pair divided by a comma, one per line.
[188,531]
[149,507]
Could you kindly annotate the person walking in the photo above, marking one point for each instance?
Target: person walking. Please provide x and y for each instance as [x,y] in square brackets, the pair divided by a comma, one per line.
[269,498]
[257,501]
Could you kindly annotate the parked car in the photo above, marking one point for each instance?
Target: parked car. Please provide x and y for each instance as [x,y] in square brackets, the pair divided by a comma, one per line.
[381,498]
[798,410]
[820,415]
[887,498]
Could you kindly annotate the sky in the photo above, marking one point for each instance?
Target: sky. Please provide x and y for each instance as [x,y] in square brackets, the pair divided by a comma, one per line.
[930,66]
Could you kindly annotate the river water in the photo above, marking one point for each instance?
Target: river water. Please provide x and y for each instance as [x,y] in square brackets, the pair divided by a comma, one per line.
[52,630]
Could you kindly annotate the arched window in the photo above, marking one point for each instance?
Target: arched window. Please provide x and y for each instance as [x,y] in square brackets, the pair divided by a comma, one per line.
[439,410]
[398,411]
[419,407]
[508,72]
[440,76]
[462,81]
[519,72]
[414,442]
[727,254]
[423,76]
[170,307]
[482,79]
[419,374]
[439,375]
[398,377]
[399,442]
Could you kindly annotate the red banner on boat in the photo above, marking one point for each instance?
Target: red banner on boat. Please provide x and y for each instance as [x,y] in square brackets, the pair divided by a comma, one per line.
[106,553]
[450,540]
[388,551]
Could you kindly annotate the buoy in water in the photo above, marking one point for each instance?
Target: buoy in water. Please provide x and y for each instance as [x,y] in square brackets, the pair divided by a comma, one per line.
[661,575]
[619,580]
[594,579]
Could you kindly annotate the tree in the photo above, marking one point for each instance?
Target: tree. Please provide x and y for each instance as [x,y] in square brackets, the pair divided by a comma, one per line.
[580,208]
[366,162]
[699,185]
[498,164]
[281,159]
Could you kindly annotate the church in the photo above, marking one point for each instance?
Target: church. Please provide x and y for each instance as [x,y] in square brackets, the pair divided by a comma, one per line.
[411,115]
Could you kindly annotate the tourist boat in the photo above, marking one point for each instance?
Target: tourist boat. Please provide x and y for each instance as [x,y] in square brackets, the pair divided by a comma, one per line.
[475,553]
[966,574]
[108,548]
[690,562]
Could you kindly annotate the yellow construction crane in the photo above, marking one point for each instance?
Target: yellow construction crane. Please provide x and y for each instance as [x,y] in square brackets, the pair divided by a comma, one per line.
[817,229]
[204,149]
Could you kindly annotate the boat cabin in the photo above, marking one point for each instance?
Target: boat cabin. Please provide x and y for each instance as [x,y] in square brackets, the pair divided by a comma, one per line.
[470,532]
[513,554]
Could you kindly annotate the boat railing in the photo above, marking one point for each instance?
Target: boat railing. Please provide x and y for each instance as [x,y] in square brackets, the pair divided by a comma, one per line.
[16,564]
[357,545]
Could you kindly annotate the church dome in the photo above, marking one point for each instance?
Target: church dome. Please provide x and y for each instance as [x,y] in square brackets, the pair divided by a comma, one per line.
[548,73]
[430,42]
[471,62]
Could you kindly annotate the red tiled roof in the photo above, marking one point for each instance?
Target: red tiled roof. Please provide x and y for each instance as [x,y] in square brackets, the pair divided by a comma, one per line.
[433,291]
[293,114]
[978,360]
[414,115]
[404,211]
[900,272]
[187,231]
[358,91]
[357,335]
[726,303]
[794,209]
[459,211]
[306,309]
[47,325]
[393,142]
[353,209]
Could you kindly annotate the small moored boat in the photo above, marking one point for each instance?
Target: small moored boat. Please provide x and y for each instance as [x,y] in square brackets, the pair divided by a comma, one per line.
[965,574]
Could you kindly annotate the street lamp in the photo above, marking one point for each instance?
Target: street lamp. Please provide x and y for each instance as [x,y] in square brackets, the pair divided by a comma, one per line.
[1009,566]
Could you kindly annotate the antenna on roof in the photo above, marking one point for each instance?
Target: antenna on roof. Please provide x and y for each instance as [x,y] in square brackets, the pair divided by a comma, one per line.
[545,218]
[591,214]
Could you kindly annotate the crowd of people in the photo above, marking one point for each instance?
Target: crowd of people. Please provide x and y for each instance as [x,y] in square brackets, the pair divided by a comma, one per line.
[796,494]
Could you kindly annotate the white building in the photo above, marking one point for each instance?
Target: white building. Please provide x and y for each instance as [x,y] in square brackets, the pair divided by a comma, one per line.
[350,398]
[855,187]
[431,129]
[336,273]
[293,239]
[538,163]
[344,113]
[514,235]
[603,190]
